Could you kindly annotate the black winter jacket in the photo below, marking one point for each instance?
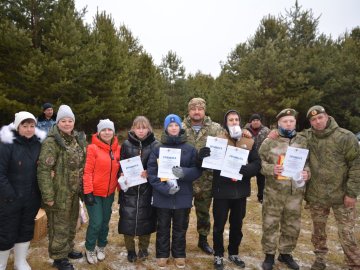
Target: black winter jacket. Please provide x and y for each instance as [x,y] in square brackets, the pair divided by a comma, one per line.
[137,216]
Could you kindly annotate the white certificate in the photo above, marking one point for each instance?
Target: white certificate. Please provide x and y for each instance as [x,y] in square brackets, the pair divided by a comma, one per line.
[132,169]
[168,158]
[294,161]
[218,149]
[235,157]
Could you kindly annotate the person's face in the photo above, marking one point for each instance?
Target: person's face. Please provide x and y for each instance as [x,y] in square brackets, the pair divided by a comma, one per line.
[106,135]
[173,129]
[287,122]
[66,125]
[318,122]
[256,123]
[27,129]
[49,112]
[197,113]
[232,120]
[141,131]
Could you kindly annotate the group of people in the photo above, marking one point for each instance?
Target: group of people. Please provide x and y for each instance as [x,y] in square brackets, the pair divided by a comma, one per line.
[55,168]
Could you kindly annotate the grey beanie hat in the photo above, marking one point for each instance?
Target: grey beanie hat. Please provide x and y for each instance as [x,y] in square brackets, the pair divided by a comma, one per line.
[64,111]
[105,123]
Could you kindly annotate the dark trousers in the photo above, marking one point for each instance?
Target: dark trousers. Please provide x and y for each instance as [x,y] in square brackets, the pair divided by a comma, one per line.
[221,208]
[17,220]
[260,181]
[179,219]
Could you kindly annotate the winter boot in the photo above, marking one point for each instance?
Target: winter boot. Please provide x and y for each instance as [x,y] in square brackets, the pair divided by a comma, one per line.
[289,261]
[4,255]
[20,253]
[268,262]
[319,264]
[204,246]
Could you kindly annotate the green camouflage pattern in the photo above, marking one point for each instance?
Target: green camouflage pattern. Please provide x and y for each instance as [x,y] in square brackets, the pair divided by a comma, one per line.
[282,199]
[261,136]
[334,163]
[202,186]
[346,219]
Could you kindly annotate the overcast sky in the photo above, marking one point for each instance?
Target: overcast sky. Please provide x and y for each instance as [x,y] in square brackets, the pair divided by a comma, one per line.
[203,32]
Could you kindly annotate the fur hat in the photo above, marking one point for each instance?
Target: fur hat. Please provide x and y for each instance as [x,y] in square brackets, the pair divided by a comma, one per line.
[315,110]
[172,118]
[286,112]
[64,111]
[21,116]
[105,123]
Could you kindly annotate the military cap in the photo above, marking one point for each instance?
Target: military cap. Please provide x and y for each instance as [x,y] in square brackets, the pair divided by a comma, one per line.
[286,112]
[197,102]
[315,110]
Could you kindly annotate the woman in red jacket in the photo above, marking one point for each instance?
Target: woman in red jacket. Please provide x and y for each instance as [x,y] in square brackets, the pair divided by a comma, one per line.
[100,181]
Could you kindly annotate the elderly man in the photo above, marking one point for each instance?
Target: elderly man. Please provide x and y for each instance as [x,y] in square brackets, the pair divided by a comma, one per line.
[335,183]
[198,126]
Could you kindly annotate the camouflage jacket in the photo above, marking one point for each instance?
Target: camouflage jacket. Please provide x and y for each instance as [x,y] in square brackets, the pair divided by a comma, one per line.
[261,136]
[334,164]
[269,152]
[60,167]
[209,128]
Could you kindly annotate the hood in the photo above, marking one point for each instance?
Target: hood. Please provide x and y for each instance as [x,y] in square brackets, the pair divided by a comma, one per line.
[7,134]
[330,128]
[225,116]
[144,142]
[166,139]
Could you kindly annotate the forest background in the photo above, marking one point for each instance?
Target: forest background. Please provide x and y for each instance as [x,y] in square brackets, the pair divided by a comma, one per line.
[49,54]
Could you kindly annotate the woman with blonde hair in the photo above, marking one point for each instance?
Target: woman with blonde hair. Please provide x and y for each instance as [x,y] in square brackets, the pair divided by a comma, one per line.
[136,213]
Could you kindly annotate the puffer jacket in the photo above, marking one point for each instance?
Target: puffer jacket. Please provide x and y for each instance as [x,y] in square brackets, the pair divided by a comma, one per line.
[101,167]
[334,164]
[161,196]
[60,168]
[137,216]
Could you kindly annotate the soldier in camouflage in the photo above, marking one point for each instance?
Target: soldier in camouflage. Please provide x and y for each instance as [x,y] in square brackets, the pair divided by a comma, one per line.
[282,196]
[335,183]
[60,173]
[259,133]
[197,127]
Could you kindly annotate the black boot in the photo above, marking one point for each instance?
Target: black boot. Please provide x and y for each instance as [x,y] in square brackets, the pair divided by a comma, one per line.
[289,261]
[204,246]
[268,262]
[63,264]
[132,257]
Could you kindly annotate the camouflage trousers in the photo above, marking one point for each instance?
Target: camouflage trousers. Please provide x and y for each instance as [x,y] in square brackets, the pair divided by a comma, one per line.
[281,215]
[62,228]
[345,218]
[202,201]
[144,241]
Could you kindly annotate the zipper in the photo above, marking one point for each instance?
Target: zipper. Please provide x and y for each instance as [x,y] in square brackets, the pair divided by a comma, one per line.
[111,159]
[137,207]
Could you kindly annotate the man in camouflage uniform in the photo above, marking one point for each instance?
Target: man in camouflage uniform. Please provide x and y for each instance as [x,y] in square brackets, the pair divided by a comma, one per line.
[282,196]
[60,173]
[197,127]
[335,183]
[259,133]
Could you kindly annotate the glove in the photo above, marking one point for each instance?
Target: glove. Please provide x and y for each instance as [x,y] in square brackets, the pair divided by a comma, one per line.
[244,170]
[89,199]
[204,152]
[178,172]
[174,187]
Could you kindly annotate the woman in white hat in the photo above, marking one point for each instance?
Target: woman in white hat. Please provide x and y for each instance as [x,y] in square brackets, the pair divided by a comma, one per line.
[19,192]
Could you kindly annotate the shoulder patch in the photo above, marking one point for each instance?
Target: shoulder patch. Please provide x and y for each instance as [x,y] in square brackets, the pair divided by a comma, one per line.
[50,161]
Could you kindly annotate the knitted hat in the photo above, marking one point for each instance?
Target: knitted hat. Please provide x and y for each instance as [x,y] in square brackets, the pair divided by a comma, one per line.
[255,116]
[46,106]
[286,112]
[315,110]
[172,118]
[64,111]
[197,102]
[105,123]
[21,116]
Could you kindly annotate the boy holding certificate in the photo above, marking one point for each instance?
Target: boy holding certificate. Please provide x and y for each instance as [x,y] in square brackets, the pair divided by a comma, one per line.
[230,194]
[172,197]
[282,196]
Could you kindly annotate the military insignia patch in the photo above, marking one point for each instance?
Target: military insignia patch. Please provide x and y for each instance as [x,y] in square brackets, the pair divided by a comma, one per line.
[50,161]
[314,112]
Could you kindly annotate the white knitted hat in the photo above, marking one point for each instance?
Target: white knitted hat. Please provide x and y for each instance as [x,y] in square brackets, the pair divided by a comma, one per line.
[64,111]
[105,123]
[21,116]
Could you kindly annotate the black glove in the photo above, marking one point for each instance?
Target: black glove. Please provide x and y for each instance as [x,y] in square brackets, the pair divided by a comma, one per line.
[244,170]
[89,199]
[204,152]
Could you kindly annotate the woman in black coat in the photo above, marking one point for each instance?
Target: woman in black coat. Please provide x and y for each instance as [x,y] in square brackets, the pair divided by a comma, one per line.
[19,192]
[137,216]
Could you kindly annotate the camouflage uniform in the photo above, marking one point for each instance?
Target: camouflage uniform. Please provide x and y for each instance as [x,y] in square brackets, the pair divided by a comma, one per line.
[282,199]
[335,167]
[60,173]
[203,186]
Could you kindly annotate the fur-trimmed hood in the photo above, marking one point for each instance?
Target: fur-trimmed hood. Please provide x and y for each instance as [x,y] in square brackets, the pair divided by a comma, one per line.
[7,134]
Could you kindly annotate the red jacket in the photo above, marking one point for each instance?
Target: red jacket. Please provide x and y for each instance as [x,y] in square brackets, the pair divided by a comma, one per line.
[100,172]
